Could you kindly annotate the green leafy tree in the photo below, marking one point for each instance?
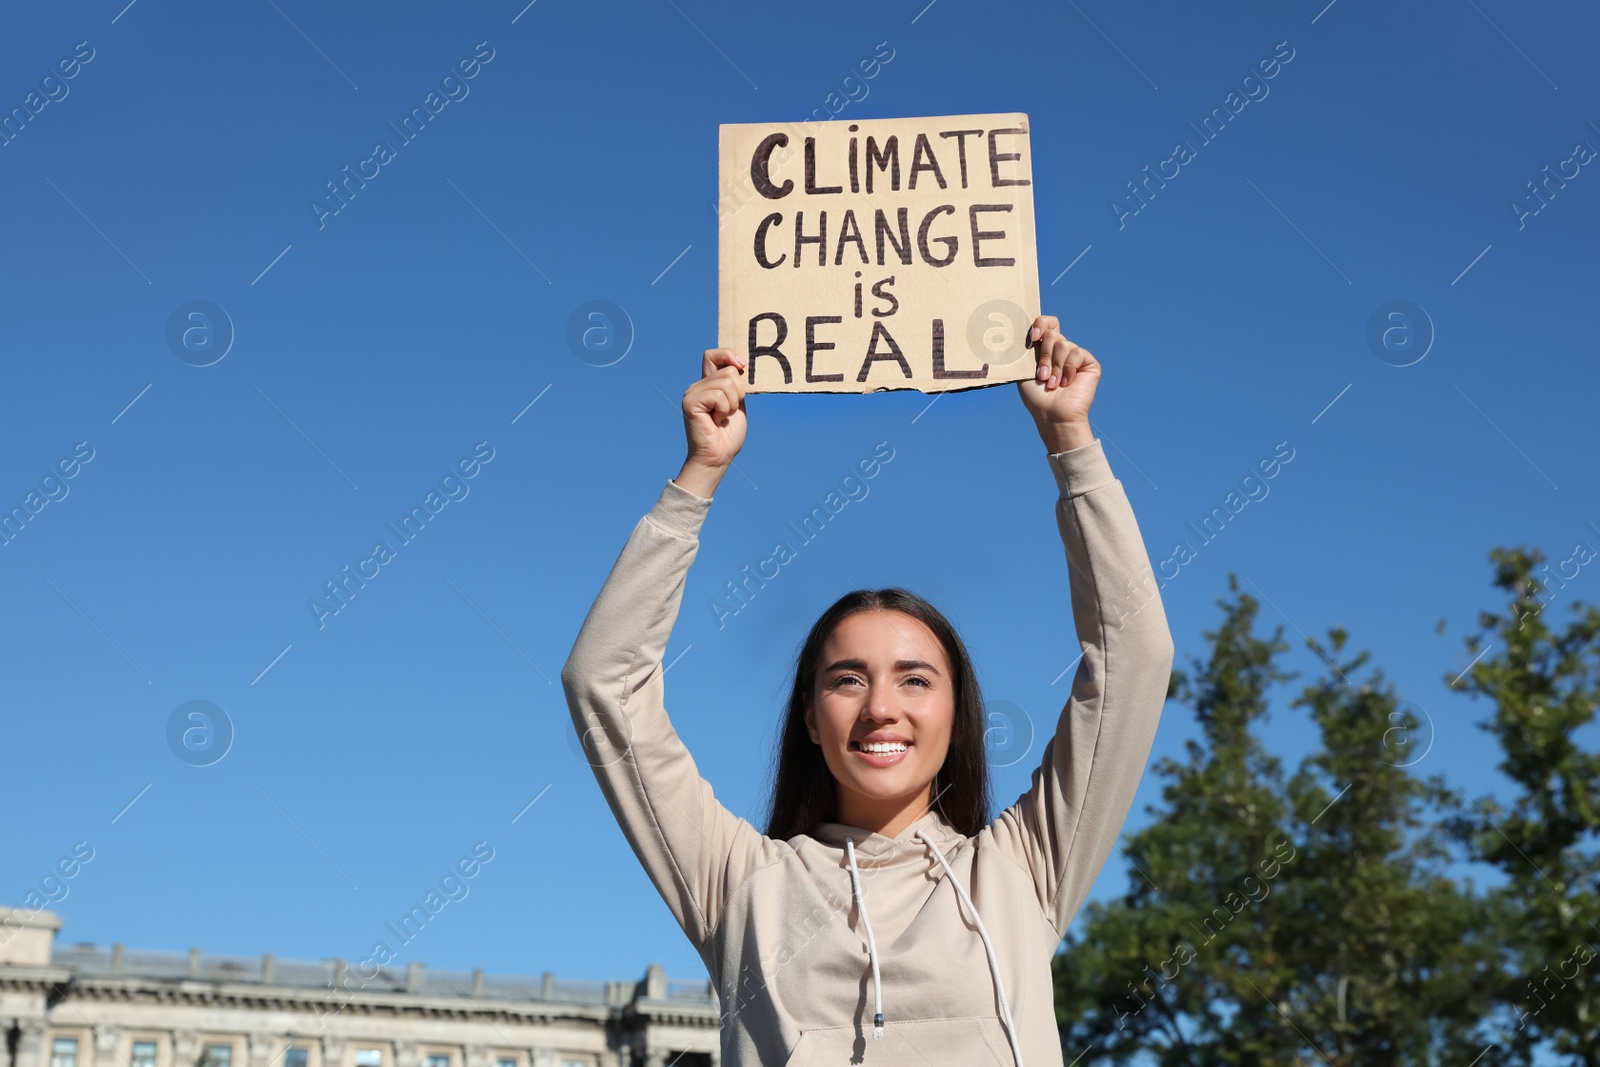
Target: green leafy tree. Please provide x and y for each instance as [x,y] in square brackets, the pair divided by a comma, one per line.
[1384,958]
[1273,922]
[1541,678]
[1146,974]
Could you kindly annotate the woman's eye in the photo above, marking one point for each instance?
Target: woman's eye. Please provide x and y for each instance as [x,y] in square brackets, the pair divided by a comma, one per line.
[847,679]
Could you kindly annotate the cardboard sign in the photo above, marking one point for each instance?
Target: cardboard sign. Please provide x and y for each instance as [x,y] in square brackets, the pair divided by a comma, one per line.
[878,254]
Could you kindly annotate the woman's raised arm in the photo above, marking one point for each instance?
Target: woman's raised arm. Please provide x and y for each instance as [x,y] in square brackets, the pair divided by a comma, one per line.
[1062,829]
[695,850]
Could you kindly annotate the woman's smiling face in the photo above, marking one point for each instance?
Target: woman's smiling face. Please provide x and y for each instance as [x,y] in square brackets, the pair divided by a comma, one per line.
[882,706]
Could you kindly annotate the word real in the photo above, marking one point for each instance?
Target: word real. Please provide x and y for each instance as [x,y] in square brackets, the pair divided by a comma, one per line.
[407,529]
[1255,90]
[811,526]
[1539,196]
[932,217]
[54,488]
[55,90]
[455,90]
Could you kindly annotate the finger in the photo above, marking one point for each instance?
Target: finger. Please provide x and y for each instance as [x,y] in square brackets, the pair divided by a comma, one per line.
[1042,323]
[730,390]
[1048,353]
[1061,366]
[726,386]
[693,403]
[1069,362]
[702,398]
[1074,360]
[740,389]
[1078,357]
[734,374]
[720,357]
[728,395]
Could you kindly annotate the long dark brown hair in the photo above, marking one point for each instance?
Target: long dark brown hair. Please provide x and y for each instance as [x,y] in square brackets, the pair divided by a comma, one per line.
[804,791]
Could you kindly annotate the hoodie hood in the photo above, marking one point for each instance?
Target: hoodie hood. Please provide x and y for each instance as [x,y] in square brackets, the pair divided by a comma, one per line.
[875,850]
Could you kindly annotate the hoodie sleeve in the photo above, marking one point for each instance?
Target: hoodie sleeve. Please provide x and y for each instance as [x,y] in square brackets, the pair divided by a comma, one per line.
[1062,829]
[694,849]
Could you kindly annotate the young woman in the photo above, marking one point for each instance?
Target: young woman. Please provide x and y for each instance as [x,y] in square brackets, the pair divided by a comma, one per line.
[883,918]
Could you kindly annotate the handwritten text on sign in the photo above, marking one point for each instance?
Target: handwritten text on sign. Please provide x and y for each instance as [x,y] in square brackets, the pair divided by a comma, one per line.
[882,254]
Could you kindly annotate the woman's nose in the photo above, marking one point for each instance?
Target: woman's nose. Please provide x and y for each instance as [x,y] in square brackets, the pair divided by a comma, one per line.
[879,706]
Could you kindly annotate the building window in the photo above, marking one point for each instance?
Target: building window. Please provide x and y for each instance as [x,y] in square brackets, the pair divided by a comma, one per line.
[438,1059]
[144,1054]
[574,1063]
[217,1056]
[64,1052]
[369,1057]
[504,1062]
[293,1056]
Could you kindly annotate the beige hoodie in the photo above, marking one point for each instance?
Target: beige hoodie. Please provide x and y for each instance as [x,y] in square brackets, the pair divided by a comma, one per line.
[801,953]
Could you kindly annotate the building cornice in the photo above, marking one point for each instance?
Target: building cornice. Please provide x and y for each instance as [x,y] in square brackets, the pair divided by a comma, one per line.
[325,1003]
[674,1012]
[321,1003]
[33,979]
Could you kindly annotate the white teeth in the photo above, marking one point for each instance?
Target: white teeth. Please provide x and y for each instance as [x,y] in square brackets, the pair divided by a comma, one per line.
[883,748]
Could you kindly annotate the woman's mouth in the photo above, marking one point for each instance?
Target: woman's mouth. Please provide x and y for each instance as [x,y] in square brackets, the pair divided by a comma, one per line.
[880,753]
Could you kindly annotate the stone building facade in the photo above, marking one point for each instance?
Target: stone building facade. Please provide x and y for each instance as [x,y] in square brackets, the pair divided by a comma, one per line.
[86,1006]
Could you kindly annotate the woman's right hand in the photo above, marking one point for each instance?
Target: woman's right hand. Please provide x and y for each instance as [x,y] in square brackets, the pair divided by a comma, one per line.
[714,421]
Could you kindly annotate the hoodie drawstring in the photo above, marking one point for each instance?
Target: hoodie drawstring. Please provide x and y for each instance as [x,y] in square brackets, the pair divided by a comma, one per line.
[872,943]
[988,948]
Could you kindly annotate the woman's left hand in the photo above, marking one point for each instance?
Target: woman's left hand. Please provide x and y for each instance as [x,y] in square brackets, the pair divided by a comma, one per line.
[1059,394]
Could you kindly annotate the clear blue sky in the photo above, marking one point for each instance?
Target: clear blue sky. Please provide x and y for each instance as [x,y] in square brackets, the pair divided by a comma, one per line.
[372,353]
